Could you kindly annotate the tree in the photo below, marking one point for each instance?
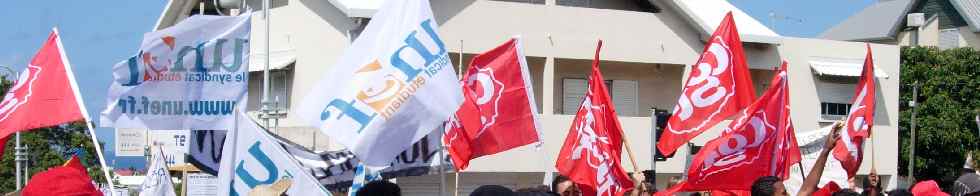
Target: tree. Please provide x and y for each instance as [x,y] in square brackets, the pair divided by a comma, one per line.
[49,147]
[949,98]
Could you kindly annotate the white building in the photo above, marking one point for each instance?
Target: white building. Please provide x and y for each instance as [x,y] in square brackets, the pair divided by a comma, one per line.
[647,47]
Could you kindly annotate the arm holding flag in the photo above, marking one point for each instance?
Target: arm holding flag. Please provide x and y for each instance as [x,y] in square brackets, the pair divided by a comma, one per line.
[813,178]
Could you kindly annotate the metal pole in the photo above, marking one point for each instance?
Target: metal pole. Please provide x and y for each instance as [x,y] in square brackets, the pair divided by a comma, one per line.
[653,145]
[442,172]
[913,103]
[265,72]
[276,125]
[18,157]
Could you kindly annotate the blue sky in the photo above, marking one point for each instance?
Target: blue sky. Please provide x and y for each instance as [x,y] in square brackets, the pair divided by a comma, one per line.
[99,33]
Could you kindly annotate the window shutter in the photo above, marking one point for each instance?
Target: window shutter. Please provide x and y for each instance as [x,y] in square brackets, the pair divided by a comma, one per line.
[624,95]
[573,91]
[949,38]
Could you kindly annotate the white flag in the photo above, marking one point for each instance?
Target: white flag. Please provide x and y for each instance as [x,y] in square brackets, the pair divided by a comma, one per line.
[157,181]
[189,76]
[394,85]
[255,158]
[811,143]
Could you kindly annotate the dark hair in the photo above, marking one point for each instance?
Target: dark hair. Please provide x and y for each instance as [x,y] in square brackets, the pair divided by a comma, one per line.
[845,192]
[535,191]
[764,186]
[492,190]
[899,192]
[380,188]
[866,184]
[558,180]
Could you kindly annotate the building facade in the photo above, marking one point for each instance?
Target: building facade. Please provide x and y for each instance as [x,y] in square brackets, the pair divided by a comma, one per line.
[648,46]
[946,24]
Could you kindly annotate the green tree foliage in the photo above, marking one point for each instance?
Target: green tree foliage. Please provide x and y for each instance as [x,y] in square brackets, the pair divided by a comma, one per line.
[949,96]
[49,147]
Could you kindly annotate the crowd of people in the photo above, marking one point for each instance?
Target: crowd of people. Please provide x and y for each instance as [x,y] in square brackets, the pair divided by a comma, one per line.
[763,186]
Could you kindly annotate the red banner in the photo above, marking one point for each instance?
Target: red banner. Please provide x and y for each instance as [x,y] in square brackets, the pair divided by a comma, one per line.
[43,95]
[498,84]
[850,148]
[590,156]
[759,142]
[718,86]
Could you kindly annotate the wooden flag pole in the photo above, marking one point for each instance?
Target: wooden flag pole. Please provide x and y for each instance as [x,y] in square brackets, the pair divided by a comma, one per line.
[629,152]
[460,75]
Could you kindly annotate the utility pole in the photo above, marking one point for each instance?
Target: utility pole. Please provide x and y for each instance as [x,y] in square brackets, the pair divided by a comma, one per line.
[913,104]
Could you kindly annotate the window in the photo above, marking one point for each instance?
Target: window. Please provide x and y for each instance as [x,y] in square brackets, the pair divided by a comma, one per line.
[573,91]
[949,38]
[359,25]
[280,83]
[623,93]
[525,1]
[575,3]
[834,111]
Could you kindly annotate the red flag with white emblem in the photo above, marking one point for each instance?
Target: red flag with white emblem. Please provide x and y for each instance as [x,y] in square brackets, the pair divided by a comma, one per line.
[759,142]
[850,148]
[718,86]
[498,84]
[590,156]
[44,94]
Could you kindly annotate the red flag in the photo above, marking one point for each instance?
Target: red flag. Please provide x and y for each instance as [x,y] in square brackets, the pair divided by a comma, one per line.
[68,179]
[75,163]
[850,148]
[590,156]
[498,84]
[827,190]
[730,193]
[3,144]
[43,95]
[759,142]
[718,86]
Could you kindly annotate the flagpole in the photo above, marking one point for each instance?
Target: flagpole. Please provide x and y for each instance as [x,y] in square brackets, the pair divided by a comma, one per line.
[629,152]
[460,75]
[442,172]
[265,72]
[81,108]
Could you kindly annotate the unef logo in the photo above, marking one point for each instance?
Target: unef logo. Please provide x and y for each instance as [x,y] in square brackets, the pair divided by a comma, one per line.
[855,121]
[16,96]
[488,91]
[704,90]
[160,63]
[385,84]
[588,147]
[732,149]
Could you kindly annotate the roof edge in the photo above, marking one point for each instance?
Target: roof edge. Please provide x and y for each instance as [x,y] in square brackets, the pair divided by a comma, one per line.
[974,23]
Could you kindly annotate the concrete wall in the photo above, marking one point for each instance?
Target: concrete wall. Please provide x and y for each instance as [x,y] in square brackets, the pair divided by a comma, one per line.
[968,38]
[805,100]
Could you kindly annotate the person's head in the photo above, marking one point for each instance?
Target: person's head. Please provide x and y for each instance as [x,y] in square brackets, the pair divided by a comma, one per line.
[380,188]
[492,190]
[868,183]
[647,188]
[768,186]
[845,192]
[899,192]
[564,186]
[535,191]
